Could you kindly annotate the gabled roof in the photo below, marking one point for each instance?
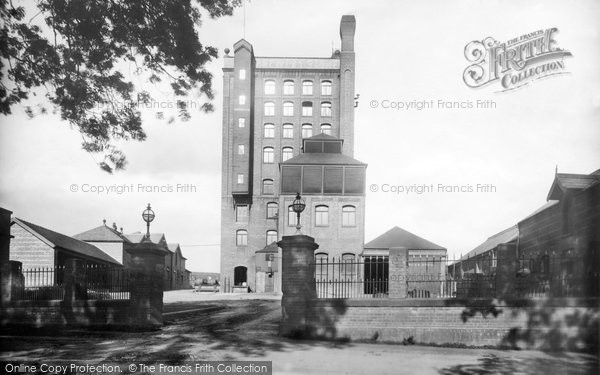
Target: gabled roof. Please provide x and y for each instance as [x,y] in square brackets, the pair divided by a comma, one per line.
[544,207]
[272,248]
[505,236]
[102,233]
[174,247]
[398,237]
[323,137]
[139,237]
[58,240]
[322,159]
[569,181]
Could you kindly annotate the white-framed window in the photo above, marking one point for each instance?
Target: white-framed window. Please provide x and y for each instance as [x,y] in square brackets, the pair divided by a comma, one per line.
[268,155]
[241,149]
[272,210]
[288,108]
[292,217]
[288,87]
[271,236]
[326,129]
[241,123]
[307,108]
[268,188]
[326,109]
[307,87]
[349,216]
[242,74]
[269,131]
[349,264]
[270,87]
[242,99]
[307,130]
[269,109]
[241,237]
[326,88]
[321,216]
[288,131]
[241,213]
[240,178]
[287,153]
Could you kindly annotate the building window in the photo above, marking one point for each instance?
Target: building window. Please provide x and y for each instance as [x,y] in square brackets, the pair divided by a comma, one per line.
[348,216]
[348,268]
[288,87]
[268,186]
[269,109]
[272,210]
[288,131]
[321,216]
[242,99]
[269,131]
[307,87]
[240,179]
[306,130]
[288,109]
[287,153]
[242,73]
[241,214]
[326,109]
[241,149]
[241,237]
[292,217]
[271,236]
[326,129]
[326,88]
[268,155]
[270,87]
[242,123]
[306,108]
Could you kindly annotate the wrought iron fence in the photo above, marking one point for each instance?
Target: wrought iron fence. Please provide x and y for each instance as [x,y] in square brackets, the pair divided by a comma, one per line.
[352,277]
[40,284]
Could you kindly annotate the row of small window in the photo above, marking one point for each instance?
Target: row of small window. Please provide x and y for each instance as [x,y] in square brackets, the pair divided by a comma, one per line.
[289,87]
[288,108]
[241,237]
[288,130]
[321,215]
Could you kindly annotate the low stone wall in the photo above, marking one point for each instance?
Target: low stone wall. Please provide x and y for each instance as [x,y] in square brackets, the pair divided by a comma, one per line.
[560,324]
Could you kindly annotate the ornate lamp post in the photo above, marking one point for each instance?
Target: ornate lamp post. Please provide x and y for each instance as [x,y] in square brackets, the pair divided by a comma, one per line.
[148,215]
[298,206]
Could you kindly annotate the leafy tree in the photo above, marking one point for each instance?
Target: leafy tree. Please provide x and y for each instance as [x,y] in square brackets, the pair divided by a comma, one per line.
[73,50]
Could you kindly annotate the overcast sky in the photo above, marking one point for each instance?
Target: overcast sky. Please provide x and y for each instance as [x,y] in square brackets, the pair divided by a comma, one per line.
[405,51]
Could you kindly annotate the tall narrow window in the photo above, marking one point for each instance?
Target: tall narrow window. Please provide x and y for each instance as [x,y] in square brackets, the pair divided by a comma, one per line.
[292,217]
[268,186]
[288,87]
[288,131]
[272,210]
[348,216]
[326,88]
[306,108]
[241,213]
[269,131]
[240,179]
[241,149]
[268,155]
[241,122]
[321,216]
[269,109]
[242,99]
[241,237]
[326,129]
[269,87]
[306,130]
[287,153]
[288,108]
[242,73]
[326,109]
[271,236]
[307,88]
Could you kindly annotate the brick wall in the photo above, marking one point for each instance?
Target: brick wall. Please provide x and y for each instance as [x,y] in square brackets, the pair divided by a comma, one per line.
[28,249]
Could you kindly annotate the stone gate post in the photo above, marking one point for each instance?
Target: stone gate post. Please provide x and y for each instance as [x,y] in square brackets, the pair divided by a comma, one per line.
[506,271]
[5,268]
[398,271]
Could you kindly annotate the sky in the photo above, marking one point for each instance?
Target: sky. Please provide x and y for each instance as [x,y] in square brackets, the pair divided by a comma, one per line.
[406,51]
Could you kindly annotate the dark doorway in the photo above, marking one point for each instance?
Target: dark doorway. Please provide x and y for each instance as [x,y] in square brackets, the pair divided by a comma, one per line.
[376,274]
[240,275]
[269,282]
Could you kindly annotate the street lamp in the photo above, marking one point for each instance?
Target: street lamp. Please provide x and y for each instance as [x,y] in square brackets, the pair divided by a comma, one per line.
[148,216]
[298,206]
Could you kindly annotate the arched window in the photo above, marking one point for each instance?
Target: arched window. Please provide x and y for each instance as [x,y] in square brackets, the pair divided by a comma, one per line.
[288,108]
[288,131]
[292,217]
[348,216]
[307,87]
[288,87]
[321,216]
[306,130]
[326,88]
[287,153]
[326,129]
[326,109]
[269,109]
[307,109]
[270,87]
[241,237]
[349,265]
[268,155]
[272,210]
[321,268]
[271,236]
[268,186]
[269,131]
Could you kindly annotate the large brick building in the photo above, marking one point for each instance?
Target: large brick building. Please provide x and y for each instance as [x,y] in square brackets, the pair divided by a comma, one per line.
[288,127]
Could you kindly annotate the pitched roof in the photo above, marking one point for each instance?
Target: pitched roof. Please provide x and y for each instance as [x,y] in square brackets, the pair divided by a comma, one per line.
[139,237]
[272,248]
[398,237]
[102,233]
[65,242]
[566,181]
[323,137]
[544,207]
[505,236]
[322,159]
[172,247]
